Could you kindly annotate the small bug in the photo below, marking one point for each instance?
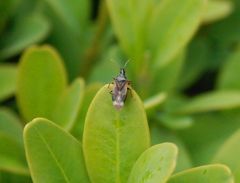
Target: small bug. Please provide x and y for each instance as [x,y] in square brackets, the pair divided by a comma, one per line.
[120,89]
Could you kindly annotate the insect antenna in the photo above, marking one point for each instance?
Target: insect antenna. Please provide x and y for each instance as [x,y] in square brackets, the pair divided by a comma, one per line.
[124,66]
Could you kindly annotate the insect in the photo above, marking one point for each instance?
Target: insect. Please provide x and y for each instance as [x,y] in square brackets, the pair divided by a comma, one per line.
[120,89]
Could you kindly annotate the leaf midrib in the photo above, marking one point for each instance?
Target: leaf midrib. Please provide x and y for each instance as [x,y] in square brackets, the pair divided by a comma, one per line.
[117,124]
[53,156]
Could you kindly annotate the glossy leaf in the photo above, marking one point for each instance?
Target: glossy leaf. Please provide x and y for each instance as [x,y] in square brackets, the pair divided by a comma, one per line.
[8,81]
[52,154]
[228,154]
[156,164]
[41,82]
[27,31]
[217,10]
[162,135]
[88,95]
[67,109]
[172,26]
[114,139]
[229,73]
[12,156]
[217,100]
[215,173]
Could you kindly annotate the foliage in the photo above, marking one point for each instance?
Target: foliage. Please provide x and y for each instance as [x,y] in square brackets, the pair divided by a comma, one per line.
[180,121]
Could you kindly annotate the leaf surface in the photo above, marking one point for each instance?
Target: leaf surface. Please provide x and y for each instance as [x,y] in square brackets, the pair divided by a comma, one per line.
[41,82]
[53,155]
[156,164]
[114,139]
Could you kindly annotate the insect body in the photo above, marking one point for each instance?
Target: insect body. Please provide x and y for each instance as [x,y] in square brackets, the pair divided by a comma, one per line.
[120,89]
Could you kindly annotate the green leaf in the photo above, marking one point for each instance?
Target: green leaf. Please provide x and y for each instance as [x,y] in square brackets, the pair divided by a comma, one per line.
[155,100]
[109,61]
[229,154]
[217,100]
[70,26]
[7,177]
[161,135]
[172,26]
[67,109]
[41,82]
[130,26]
[73,13]
[175,121]
[166,78]
[207,134]
[217,10]
[156,164]
[114,139]
[88,95]
[26,31]
[12,156]
[8,81]
[7,8]
[196,62]
[229,73]
[204,174]
[53,155]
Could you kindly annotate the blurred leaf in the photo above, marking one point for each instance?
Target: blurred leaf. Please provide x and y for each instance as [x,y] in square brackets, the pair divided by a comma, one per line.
[175,121]
[88,95]
[6,177]
[212,101]
[156,164]
[208,133]
[217,10]
[130,26]
[204,174]
[73,13]
[196,62]
[31,29]
[229,154]
[12,156]
[112,139]
[110,61]
[41,82]
[229,73]
[6,10]
[10,125]
[167,77]
[7,81]
[53,155]
[67,109]
[160,135]
[224,36]
[172,28]
[70,19]
[154,101]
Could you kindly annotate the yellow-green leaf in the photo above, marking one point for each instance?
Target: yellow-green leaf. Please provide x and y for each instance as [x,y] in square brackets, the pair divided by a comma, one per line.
[114,139]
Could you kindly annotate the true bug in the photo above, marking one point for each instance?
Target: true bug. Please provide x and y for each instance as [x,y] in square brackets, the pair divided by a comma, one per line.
[120,89]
